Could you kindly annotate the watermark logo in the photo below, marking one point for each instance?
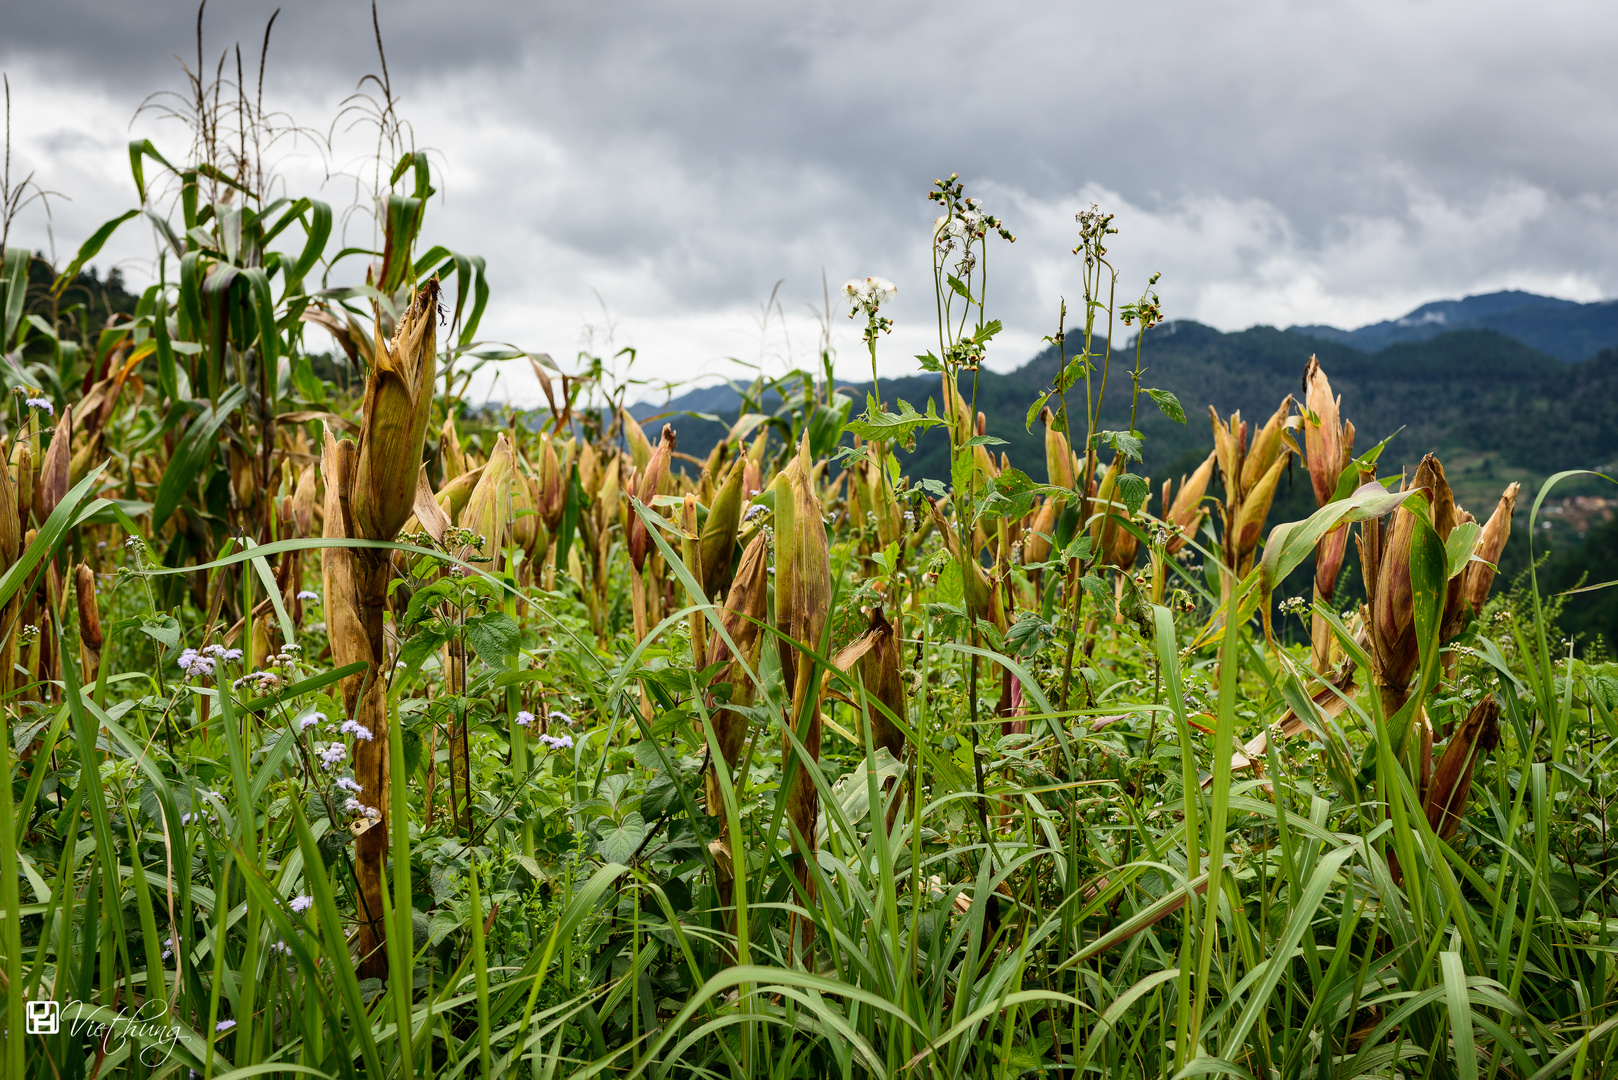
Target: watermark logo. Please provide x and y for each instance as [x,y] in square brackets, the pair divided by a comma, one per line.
[44,1017]
[153,1035]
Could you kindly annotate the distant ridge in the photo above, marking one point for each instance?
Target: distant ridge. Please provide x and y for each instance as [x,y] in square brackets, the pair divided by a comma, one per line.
[1561,328]
[1492,405]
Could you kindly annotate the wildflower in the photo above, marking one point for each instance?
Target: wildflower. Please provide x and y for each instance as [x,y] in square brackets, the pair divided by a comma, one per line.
[281,947]
[41,404]
[334,755]
[868,295]
[194,663]
[524,718]
[356,729]
[354,806]
[563,718]
[302,903]
[307,594]
[223,1026]
[186,819]
[557,742]
[168,948]
[310,720]
[348,783]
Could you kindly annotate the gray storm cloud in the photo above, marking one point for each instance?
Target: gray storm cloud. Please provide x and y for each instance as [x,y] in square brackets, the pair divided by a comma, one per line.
[1278,162]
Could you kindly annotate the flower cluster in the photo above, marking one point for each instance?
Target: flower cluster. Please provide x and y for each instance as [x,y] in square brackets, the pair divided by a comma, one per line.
[195,665]
[867,297]
[524,718]
[356,729]
[263,681]
[42,404]
[306,594]
[1094,228]
[1294,605]
[558,742]
[348,783]
[201,662]
[301,904]
[333,755]
[354,806]
[309,720]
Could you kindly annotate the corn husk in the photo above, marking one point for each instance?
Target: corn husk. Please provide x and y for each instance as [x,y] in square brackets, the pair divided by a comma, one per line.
[640,447]
[1186,512]
[1058,454]
[1451,783]
[719,532]
[550,493]
[90,639]
[22,475]
[1254,510]
[746,605]
[450,457]
[802,601]
[880,672]
[1329,444]
[393,427]
[1477,578]
[648,487]
[1269,445]
[488,508]
[54,469]
[10,524]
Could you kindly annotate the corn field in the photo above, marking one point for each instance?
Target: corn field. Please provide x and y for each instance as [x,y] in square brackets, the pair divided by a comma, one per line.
[371,731]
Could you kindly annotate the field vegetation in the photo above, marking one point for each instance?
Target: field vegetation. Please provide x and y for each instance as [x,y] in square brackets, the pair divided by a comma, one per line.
[356,729]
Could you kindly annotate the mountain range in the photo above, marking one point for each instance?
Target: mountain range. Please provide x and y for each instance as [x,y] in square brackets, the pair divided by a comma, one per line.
[1494,406]
[1561,328]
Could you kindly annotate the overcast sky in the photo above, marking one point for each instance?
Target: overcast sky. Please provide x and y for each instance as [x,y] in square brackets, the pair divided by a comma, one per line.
[654,169]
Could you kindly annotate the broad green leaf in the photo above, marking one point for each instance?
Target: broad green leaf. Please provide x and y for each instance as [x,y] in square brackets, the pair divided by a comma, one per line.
[196,447]
[89,250]
[1168,404]
[1126,443]
[1132,491]
[1462,542]
[879,425]
[619,842]
[493,636]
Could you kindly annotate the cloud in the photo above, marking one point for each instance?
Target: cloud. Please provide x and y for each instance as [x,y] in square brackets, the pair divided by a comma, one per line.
[1278,162]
